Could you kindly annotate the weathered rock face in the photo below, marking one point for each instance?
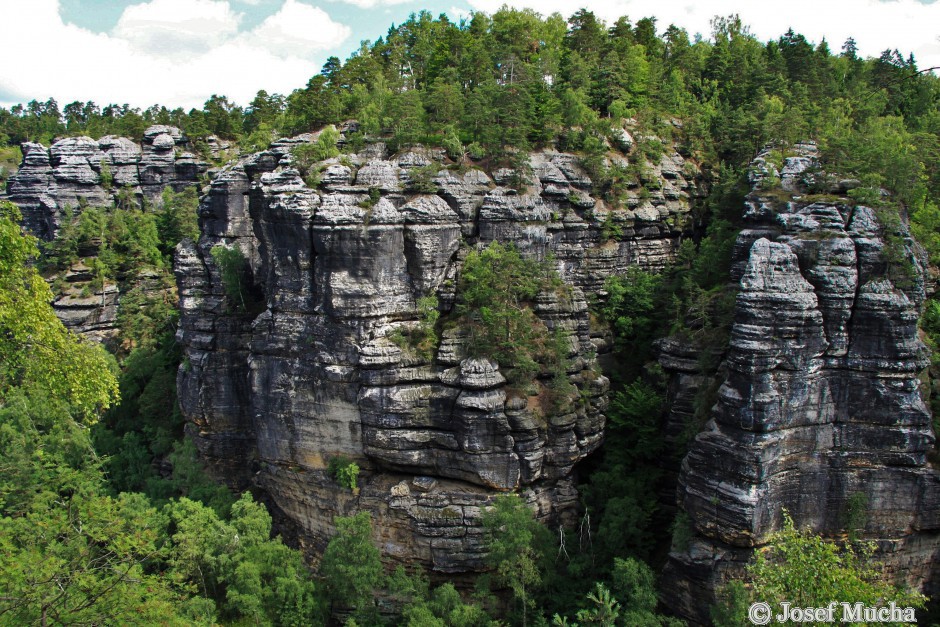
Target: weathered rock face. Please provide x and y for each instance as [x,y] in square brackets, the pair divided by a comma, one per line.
[313,373]
[91,312]
[821,405]
[53,183]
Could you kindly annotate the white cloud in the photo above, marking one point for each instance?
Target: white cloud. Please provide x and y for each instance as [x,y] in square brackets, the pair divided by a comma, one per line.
[456,14]
[179,52]
[177,27]
[369,4]
[172,52]
[908,25]
[290,31]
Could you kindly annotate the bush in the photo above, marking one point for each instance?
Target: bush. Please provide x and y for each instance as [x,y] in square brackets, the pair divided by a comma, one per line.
[451,144]
[345,472]
[306,155]
[421,340]
[105,175]
[422,179]
[476,151]
[808,571]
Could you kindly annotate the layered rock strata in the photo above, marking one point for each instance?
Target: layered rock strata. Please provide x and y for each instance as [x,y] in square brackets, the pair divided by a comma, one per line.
[820,412]
[54,183]
[319,370]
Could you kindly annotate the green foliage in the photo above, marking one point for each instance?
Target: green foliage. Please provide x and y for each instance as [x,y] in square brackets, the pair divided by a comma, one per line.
[36,351]
[682,531]
[259,139]
[651,148]
[236,566]
[115,242]
[233,270]
[629,600]
[307,155]
[147,423]
[855,514]
[451,143]
[895,253]
[632,308]
[808,571]
[105,176]
[445,608]
[83,560]
[421,340]
[325,146]
[375,194]
[422,179]
[345,472]
[925,227]
[610,230]
[10,159]
[621,492]
[497,291]
[730,610]
[351,565]
[516,545]
[177,218]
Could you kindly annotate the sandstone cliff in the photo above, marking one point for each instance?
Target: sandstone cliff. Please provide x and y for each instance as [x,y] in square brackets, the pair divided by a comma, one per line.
[820,410]
[312,372]
[55,184]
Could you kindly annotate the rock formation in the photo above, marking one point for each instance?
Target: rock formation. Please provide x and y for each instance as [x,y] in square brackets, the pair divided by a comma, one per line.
[310,369]
[820,412]
[54,184]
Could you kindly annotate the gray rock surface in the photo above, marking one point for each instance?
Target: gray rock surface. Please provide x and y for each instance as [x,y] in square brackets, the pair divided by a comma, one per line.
[54,183]
[316,372]
[820,405]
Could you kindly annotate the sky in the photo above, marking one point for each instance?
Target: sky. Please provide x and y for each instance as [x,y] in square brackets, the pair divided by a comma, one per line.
[180,52]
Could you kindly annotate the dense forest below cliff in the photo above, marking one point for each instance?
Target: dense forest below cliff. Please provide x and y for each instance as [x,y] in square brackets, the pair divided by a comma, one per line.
[106,515]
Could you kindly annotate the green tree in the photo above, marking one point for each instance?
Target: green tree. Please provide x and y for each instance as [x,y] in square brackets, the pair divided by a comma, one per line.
[36,351]
[233,270]
[629,600]
[352,565]
[237,565]
[515,542]
[809,571]
[497,290]
[177,218]
[445,608]
[82,559]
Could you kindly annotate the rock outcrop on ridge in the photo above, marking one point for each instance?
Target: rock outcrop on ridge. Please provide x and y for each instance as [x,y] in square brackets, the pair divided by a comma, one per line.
[310,370]
[55,184]
[820,412]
